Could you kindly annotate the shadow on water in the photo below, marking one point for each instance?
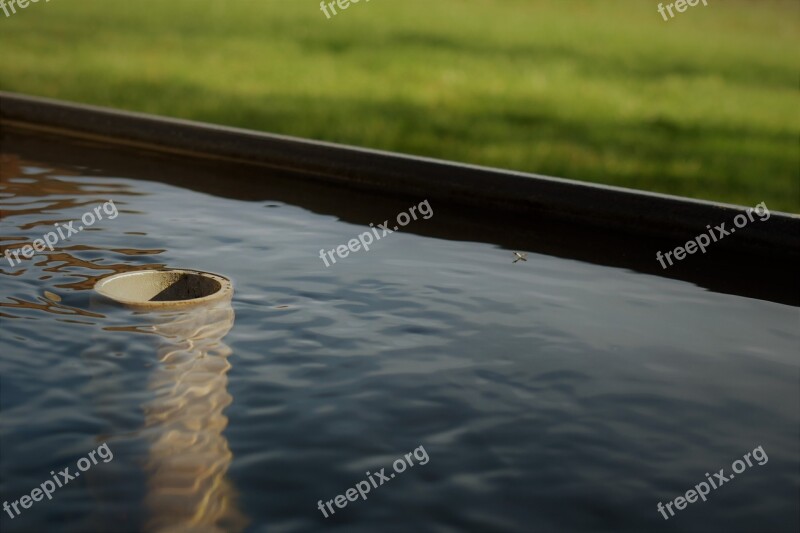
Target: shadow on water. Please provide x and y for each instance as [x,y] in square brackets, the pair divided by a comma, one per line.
[721,270]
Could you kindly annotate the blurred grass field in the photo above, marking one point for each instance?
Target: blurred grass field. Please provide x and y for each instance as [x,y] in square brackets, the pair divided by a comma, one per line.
[706,105]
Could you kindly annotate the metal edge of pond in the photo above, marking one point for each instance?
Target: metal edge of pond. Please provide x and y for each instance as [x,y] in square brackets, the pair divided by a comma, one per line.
[604,207]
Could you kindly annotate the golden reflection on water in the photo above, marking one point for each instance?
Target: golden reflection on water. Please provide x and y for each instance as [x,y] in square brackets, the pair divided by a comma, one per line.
[189,456]
[48,192]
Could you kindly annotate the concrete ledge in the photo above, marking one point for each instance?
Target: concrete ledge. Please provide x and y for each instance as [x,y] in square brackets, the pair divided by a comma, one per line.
[603,207]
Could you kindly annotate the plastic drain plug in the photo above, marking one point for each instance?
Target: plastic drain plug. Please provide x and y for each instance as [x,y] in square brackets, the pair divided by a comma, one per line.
[160,289]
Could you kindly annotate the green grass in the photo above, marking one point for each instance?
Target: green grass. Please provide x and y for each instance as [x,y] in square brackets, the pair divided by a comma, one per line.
[705,105]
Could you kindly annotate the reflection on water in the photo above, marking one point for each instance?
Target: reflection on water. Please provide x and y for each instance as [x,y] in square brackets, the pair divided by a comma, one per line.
[189,456]
[35,198]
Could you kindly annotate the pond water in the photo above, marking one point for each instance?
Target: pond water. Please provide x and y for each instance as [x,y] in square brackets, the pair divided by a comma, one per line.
[546,394]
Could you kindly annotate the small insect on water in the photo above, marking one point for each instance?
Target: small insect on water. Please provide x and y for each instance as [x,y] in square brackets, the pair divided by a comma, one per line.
[520,256]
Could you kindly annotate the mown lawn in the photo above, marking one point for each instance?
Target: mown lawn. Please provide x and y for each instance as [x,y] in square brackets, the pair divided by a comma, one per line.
[705,105]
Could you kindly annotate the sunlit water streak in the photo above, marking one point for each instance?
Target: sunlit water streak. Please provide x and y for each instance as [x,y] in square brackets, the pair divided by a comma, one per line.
[189,456]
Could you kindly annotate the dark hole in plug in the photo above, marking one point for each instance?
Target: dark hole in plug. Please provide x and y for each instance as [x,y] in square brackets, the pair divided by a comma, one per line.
[188,287]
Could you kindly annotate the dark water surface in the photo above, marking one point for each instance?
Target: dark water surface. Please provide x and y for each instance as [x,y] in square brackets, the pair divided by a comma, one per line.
[547,395]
